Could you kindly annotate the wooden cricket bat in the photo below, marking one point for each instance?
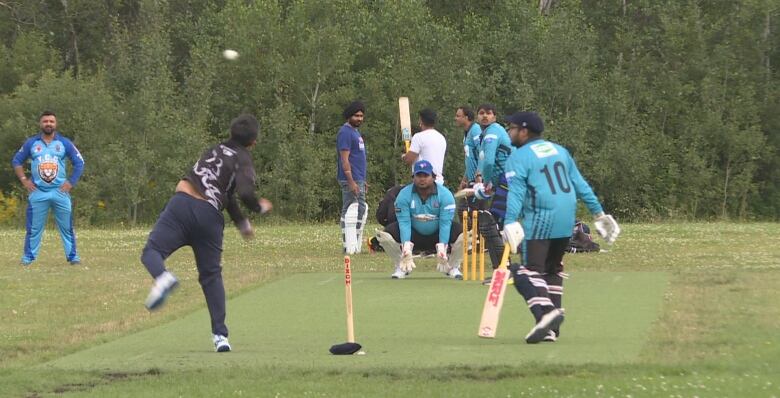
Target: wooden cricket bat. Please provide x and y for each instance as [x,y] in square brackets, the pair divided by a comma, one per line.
[406,121]
[348,288]
[491,312]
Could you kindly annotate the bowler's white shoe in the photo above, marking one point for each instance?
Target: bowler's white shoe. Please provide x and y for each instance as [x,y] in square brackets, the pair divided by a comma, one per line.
[163,286]
[221,343]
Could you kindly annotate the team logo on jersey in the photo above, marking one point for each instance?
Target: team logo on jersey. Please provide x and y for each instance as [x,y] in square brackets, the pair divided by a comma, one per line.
[425,217]
[544,149]
[435,204]
[47,170]
[37,149]
[57,148]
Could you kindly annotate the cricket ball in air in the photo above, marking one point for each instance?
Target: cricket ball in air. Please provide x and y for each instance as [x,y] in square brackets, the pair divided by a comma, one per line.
[230,54]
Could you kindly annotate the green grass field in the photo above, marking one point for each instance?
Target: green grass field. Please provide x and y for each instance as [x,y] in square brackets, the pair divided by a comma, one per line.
[672,310]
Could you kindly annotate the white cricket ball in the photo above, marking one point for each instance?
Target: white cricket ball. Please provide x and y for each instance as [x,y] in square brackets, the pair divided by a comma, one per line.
[230,54]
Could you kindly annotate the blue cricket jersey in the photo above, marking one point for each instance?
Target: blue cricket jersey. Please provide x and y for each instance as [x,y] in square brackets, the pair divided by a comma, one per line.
[48,161]
[493,153]
[544,184]
[434,214]
[349,138]
[471,141]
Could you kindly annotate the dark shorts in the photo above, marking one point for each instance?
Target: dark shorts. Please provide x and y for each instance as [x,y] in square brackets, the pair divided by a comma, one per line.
[544,256]
[424,243]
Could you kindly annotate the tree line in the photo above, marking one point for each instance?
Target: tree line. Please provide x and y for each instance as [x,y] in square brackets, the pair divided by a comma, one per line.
[670,107]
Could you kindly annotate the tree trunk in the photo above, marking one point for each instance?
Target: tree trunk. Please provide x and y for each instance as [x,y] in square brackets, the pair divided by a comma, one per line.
[544,6]
[724,211]
[74,60]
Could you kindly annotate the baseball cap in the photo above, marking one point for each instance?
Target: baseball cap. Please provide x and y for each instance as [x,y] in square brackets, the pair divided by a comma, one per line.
[529,120]
[423,166]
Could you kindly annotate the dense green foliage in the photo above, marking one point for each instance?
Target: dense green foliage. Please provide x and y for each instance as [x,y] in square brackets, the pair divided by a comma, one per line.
[670,107]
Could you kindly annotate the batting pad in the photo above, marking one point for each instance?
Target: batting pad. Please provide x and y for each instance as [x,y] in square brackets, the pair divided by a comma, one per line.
[350,229]
[360,229]
[392,248]
[456,252]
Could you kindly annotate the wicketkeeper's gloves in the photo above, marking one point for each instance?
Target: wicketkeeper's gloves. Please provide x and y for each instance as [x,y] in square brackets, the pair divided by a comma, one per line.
[607,227]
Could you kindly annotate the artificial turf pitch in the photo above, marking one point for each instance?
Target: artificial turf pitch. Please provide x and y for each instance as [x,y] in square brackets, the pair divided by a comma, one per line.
[424,321]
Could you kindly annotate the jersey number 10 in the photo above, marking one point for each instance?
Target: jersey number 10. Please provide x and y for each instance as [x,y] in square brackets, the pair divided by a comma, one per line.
[560,175]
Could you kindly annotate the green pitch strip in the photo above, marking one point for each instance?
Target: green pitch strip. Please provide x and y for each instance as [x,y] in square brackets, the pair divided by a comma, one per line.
[424,321]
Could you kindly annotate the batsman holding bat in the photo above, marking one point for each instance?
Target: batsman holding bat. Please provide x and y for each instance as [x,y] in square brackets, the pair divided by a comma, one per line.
[193,217]
[494,150]
[544,184]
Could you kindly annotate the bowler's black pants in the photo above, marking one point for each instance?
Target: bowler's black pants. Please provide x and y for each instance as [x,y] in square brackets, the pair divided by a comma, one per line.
[187,221]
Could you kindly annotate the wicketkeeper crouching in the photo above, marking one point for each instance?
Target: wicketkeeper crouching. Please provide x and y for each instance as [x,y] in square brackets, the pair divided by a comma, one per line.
[425,212]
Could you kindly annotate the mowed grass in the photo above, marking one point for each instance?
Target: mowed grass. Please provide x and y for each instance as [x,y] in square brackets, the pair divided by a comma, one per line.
[715,334]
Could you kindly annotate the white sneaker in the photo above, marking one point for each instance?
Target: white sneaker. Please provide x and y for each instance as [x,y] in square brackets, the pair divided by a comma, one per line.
[221,343]
[398,274]
[550,320]
[551,337]
[455,274]
[163,286]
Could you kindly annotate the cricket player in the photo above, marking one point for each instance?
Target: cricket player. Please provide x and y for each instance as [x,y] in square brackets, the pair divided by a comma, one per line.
[544,184]
[222,176]
[472,137]
[48,186]
[428,144]
[425,211]
[494,150]
[352,173]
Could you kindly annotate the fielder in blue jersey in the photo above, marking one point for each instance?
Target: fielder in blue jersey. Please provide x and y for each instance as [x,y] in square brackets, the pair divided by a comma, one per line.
[544,184]
[424,210]
[494,150]
[48,186]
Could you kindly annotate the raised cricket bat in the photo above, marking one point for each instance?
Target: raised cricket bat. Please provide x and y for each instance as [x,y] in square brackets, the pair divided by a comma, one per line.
[491,312]
[348,288]
[464,193]
[406,121]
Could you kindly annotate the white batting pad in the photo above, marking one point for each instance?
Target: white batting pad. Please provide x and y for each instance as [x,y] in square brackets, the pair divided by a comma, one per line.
[350,229]
[360,227]
[392,248]
[456,253]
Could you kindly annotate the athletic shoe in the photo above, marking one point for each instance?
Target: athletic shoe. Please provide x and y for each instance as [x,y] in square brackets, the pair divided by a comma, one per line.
[487,281]
[456,274]
[75,262]
[221,343]
[550,320]
[551,337]
[163,286]
[25,263]
[398,274]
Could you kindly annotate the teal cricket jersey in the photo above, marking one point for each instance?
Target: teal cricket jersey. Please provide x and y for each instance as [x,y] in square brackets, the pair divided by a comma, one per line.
[434,214]
[471,140]
[494,151]
[544,184]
